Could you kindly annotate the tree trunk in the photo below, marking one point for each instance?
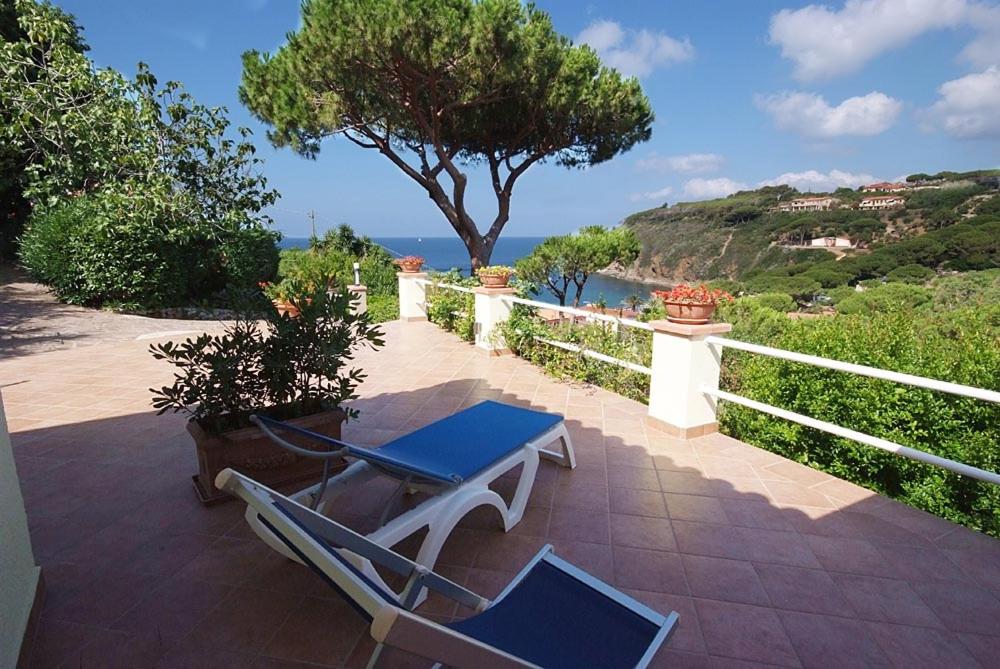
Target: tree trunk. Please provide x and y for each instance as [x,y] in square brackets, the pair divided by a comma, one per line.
[480,252]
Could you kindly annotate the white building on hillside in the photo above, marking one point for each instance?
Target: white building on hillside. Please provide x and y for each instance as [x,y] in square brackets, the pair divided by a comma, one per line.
[881,202]
[832,242]
[883,187]
[808,204]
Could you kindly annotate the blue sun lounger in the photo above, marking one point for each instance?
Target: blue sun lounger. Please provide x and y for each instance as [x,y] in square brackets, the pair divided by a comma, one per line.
[454,460]
[551,614]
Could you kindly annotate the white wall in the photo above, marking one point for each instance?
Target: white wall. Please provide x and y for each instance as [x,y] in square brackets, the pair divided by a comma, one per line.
[18,573]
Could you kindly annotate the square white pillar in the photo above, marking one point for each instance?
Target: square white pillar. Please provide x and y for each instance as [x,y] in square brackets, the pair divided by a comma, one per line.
[684,363]
[359,298]
[412,296]
[491,311]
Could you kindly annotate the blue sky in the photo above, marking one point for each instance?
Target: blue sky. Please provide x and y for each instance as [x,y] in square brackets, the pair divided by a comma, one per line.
[745,93]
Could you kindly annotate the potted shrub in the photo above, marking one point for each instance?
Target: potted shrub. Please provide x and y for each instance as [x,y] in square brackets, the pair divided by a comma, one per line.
[410,264]
[495,276]
[278,293]
[691,305]
[294,369]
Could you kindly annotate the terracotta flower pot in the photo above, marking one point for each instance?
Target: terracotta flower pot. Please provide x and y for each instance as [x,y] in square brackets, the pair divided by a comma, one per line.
[410,267]
[249,451]
[286,307]
[689,314]
[494,280]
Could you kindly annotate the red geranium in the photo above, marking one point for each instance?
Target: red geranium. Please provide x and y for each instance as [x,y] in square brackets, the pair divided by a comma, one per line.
[685,294]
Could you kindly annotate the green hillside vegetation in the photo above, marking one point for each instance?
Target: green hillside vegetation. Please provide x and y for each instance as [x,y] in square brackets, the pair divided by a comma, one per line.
[950,225]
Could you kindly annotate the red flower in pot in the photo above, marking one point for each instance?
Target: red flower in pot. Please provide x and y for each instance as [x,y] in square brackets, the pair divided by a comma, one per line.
[410,264]
[691,305]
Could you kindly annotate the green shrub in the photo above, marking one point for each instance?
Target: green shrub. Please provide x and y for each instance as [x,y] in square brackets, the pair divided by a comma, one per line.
[958,346]
[116,248]
[910,274]
[286,367]
[382,308]
[966,290]
[799,287]
[828,278]
[840,293]
[520,331]
[886,298]
[451,309]
[47,250]
[316,267]
[780,302]
[249,256]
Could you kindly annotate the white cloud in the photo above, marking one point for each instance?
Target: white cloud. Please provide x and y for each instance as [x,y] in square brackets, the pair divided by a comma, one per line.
[635,52]
[969,107]
[811,115]
[984,50]
[707,189]
[824,43]
[813,180]
[661,194]
[693,163]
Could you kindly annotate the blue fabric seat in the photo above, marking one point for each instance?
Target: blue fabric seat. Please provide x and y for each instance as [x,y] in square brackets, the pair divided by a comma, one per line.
[555,621]
[460,446]
[450,450]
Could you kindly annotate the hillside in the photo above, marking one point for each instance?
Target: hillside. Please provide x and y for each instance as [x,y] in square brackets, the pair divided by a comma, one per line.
[747,233]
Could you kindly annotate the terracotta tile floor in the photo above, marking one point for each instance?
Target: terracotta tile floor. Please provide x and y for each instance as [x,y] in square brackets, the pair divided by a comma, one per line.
[767,562]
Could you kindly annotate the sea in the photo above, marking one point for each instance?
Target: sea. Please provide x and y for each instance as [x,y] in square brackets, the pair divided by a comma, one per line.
[446,253]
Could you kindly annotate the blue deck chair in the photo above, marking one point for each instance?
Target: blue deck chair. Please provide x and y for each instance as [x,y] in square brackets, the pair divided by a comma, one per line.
[454,460]
[551,615]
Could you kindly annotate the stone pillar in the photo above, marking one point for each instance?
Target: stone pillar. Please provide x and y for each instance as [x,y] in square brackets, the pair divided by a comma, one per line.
[412,296]
[683,364]
[359,305]
[491,311]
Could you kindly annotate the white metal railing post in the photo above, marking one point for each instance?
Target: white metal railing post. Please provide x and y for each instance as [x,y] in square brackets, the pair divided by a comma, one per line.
[684,364]
[491,311]
[359,298]
[412,296]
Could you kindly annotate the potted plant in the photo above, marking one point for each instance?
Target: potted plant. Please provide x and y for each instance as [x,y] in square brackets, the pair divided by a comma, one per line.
[495,276]
[279,293]
[410,264]
[691,305]
[292,369]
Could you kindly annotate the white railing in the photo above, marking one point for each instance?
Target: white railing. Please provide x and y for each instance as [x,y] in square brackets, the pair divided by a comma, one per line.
[449,286]
[627,322]
[586,352]
[862,370]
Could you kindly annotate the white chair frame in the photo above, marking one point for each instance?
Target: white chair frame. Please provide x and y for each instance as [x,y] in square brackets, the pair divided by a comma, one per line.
[443,510]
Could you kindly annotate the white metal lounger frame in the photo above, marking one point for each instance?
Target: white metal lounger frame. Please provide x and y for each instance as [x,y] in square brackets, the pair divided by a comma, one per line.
[440,513]
[392,623]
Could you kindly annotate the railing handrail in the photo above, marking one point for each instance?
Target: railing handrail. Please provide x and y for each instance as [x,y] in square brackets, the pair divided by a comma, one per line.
[439,284]
[861,370]
[627,322]
[596,355]
[861,437]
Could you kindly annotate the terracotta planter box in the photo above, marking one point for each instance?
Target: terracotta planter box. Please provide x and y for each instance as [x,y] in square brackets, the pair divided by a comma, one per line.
[250,452]
[689,314]
[494,280]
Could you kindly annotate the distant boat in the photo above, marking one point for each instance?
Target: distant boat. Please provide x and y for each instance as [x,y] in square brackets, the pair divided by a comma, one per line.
[419,239]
